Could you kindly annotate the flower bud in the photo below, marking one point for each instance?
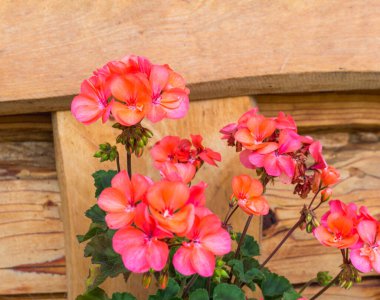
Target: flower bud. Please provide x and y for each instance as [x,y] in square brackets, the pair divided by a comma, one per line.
[329,176]
[309,228]
[148,133]
[98,154]
[163,280]
[326,194]
[220,263]
[309,218]
[146,279]
[139,152]
[224,274]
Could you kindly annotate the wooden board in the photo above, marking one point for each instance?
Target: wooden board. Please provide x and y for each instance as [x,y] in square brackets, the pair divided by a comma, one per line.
[223,48]
[367,290]
[31,232]
[31,237]
[357,156]
[325,110]
[35,297]
[74,172]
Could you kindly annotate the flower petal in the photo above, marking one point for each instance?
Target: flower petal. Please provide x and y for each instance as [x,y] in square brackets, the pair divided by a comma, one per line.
[218,242]
[362,263]
[112,200]
[157,255]
[182,261]
[203,261]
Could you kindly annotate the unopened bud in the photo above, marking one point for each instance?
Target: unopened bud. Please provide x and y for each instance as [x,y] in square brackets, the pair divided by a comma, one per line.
[140,143]
[163,280]
[309,228]
[315,222]
[326,194]
[224,274]
[139,152]
[220,263]
[148,133]
[131,141]
[98,154]
[146,279]
[104,157]
[309,218]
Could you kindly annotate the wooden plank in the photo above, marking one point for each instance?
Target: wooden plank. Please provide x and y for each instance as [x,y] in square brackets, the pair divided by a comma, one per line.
[55,296]
[74,172]
[21,128]
[367,290]
[357,156]
[325,110]
[31,237]
[223,48]
[31,231]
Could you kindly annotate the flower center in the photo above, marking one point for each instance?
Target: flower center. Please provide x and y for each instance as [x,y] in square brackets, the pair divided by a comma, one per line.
[156,98]
[167,214]
[129,208]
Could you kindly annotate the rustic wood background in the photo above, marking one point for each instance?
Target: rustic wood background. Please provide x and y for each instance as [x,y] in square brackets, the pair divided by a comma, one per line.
[317,60]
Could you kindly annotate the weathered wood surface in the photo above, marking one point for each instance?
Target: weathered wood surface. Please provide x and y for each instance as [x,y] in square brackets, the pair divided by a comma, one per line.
[325,110]
[205,117]
[357,156]
[56,296]
[367,290]
[223,48]
[31,232]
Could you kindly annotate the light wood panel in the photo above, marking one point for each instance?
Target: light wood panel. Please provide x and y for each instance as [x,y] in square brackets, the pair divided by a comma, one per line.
[223,48]
[75,144]
[325,110]
[357,157]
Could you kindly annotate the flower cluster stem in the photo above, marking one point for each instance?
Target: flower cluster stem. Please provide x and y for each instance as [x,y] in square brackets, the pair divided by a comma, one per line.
[331,283]
[129,164]
[295,226]
[229,215]
[244,233]
[118,162]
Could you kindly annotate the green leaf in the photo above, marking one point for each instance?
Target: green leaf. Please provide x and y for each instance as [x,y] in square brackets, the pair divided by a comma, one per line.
[102,180]
[291,295]
[97,215]
[101,252]
[92,231]
[123,296]
[247,271]
[225,291]
[169,293]
[274,286]
[249,247]
[95,294]
[199,294]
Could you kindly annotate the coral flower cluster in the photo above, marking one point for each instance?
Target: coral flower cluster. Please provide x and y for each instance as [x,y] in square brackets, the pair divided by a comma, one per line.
[179,159]
[129,90]
[346,227]
[273,146]
[151,218]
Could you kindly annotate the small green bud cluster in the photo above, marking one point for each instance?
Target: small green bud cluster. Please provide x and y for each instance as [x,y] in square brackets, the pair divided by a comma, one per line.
[311,221]
[106,152]
[134,138]
[220,272]
[349,276]
[324,278]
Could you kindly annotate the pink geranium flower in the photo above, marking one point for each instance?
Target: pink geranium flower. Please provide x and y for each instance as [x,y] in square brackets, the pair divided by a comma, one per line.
[168,204]
[206,154]
[121,199]
[315,150]
[177,172]
[92,102]
[248,192]
[198,199]
[337,227]
[258,129]
[169,94]
[141,247]
[132,98]
[367,257]
[206,239]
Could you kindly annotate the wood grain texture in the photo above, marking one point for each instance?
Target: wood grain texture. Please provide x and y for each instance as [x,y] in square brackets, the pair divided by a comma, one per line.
[205,117]
[31,237]
[357,156]
[50,296]
[26,128]
[367,290]
[325,110]
[31,232]
[223,48]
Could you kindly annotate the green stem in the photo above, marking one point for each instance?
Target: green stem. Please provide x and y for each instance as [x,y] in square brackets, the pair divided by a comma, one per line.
[331,283]
[244,233]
